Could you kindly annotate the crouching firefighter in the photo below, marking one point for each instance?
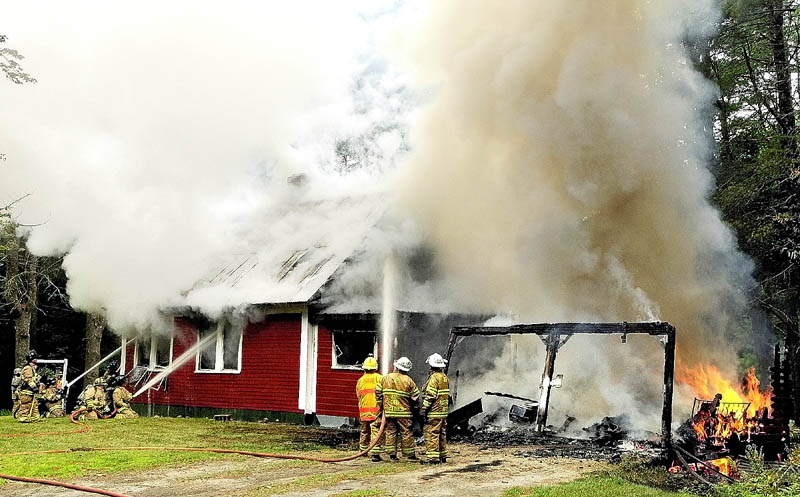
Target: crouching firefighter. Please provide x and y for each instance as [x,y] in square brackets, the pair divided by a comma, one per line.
[395,393]
[28,391]
[369,412]
[121,398]
[92,400]
[435,402]
[51,401]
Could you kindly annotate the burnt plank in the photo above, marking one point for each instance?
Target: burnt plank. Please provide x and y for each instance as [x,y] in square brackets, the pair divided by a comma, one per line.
[650,328]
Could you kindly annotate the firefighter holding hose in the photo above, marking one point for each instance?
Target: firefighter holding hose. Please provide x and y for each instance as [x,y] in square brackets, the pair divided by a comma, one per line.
[52,396]
[28,390]
[121,398]
[435,403]
[368,409]
[93,400]
[395,393]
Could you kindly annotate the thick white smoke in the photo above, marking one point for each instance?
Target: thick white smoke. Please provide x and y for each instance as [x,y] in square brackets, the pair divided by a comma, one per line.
[558,168]
[561,171]
[157,130]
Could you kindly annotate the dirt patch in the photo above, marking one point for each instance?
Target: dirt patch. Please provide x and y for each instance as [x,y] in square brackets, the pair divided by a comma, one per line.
[470,471]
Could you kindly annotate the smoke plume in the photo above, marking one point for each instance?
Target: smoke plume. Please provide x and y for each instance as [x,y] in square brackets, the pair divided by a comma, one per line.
[561,171]
[157,134]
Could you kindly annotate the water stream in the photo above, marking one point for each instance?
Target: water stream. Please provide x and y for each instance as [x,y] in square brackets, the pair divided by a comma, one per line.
[388,313]
[178,362]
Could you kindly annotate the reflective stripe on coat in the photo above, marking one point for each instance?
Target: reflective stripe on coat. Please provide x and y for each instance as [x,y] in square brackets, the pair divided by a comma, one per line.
[365,391]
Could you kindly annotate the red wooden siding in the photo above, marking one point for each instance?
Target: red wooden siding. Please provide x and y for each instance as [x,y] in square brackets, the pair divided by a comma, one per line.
[336,388]
[269,380]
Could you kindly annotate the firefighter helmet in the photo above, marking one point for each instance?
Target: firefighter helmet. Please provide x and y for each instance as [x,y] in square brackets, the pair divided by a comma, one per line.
[370,364]
[31,356]
[435,361]
[403,364]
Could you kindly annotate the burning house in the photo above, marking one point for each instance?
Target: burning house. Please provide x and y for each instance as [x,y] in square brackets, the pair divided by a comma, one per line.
[286,352]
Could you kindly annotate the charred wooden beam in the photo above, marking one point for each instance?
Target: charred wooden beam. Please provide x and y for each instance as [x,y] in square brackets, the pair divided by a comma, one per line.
[669,380]
[624,328]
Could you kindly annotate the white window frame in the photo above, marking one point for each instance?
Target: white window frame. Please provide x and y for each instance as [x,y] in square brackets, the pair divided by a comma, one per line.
[350,367]
[219,358]
[151,363]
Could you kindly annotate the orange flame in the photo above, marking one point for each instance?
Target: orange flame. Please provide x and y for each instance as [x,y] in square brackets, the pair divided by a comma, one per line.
[707,381]
[730,418]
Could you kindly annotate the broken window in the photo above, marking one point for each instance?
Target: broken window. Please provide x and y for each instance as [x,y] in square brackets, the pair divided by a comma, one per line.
[223,352]
[207,357]
[351,347]
[142,352]
[153,352]
[163,352]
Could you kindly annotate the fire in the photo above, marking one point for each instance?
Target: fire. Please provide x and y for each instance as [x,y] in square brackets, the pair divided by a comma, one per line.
[707,381]
[736,412]
[724,465]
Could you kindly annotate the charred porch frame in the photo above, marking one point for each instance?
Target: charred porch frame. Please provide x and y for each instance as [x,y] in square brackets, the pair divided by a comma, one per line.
[554,335]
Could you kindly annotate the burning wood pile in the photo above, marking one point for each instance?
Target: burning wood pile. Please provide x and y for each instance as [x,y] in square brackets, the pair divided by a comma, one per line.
[720,430]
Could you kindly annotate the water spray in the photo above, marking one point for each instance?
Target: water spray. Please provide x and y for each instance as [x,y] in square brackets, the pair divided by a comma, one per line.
[178,362]
[388,315]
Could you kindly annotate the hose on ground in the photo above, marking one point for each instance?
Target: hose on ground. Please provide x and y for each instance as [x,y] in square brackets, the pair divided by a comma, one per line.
[53,483]
[372,444]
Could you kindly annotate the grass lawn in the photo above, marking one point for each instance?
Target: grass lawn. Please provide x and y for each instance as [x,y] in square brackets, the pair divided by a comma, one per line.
[593,486]
[143,432]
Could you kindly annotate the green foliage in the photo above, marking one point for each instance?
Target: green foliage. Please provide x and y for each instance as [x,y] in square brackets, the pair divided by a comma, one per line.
[645,472]
[9,64]
[764,480]
[593,486]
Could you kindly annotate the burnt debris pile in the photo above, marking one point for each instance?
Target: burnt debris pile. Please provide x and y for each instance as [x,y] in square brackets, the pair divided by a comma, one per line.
[719,433]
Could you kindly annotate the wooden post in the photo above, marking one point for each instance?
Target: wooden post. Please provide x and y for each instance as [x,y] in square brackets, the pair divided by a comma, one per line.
[549,368]
[451,345]
[669,377]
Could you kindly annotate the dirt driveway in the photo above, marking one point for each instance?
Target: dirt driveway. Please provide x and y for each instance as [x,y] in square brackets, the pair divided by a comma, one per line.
[471,471]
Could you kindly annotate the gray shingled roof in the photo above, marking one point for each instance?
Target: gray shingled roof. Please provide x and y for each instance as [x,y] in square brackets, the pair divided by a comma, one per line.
[299,249]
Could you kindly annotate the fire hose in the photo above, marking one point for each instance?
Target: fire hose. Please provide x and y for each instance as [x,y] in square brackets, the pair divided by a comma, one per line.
[182,449]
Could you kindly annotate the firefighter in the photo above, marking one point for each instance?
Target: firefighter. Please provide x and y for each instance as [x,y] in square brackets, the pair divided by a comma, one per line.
[16,381]
[51,400]
[435,401]
[395,393]
[28,391]
[93,399]
[121,398]
[368,410]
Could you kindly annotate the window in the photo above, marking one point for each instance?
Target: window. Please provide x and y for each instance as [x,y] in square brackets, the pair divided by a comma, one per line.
[153,352]
[351,347]
[223,351]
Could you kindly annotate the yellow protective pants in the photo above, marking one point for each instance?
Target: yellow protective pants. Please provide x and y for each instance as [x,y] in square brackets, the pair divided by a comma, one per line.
[27,409]
[435,438]
[398,435]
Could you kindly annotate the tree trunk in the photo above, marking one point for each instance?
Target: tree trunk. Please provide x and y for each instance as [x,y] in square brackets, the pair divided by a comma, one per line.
[783,82]
[26,306]
[793,350]
[94,333]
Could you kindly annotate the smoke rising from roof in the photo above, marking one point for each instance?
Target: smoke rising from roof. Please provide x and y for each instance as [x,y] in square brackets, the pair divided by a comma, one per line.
[157,133]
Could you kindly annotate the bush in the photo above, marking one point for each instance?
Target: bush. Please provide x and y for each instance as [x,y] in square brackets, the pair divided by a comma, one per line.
[642,471]
[765,481]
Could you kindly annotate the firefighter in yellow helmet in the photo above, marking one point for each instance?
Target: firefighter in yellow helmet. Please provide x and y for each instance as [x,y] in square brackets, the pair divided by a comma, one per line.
[368,410]
[395,393]
[435,401]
